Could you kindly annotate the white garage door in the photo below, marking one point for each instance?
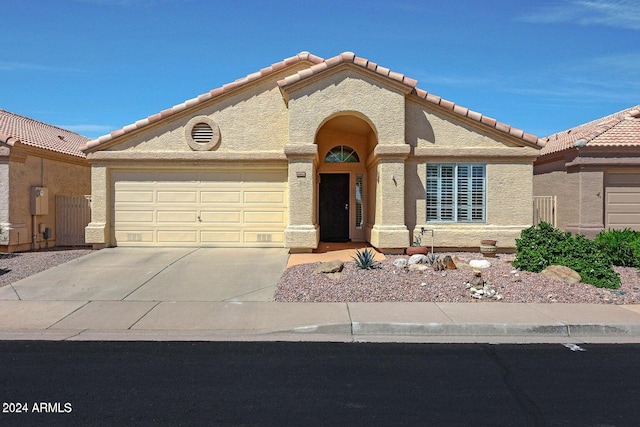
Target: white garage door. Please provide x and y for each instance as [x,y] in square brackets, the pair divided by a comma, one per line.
[195,208]
[622,208]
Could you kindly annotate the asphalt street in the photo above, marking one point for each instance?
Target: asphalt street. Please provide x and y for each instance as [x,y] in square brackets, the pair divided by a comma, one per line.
[271,383]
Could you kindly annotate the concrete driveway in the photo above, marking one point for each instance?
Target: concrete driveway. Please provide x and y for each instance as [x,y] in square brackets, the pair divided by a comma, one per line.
[158,274]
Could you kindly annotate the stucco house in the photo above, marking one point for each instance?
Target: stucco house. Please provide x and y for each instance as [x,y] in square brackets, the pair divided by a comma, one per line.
[42,170]
[310,150]
[593,173]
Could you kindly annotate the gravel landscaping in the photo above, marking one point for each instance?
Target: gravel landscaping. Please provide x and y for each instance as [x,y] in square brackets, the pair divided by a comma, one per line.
[391,283]
[16,266]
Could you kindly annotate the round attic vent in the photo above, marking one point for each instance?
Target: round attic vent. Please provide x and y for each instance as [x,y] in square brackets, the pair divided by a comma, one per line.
[202,133]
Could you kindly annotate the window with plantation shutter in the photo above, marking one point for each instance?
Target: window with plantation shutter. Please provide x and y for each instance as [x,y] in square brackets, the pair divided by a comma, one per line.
[456,192]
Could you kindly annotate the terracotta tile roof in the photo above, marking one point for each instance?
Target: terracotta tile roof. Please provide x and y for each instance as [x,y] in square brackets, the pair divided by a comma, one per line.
[347,57]
[302,56]
[318,66]
[618,129]
[16,128]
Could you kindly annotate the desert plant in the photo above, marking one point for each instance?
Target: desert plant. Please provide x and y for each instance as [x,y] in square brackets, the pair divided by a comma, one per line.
[432,258]
[417,240]
[542,246]
[621,246]
[365,260]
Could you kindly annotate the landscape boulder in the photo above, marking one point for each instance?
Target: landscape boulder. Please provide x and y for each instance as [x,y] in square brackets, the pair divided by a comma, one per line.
[560,272]
[400,262]
[479,263]
[418,259]
[334,266]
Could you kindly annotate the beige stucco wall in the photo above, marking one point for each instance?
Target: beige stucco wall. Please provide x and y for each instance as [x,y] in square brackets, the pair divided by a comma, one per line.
[350,91]
[253,120]
[346,92]
[551,179]
[577,179]
[437,138]
[59,177]
[4,195]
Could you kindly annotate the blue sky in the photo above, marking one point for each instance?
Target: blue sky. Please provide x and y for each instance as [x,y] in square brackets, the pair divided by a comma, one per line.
[93,66]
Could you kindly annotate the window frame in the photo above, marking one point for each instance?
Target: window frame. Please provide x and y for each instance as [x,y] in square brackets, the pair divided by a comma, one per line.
[449,204]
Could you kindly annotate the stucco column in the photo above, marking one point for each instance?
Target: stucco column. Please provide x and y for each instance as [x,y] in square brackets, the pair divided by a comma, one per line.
[97,232]
[301,234]
[390,233]
[4,200]
[591,203]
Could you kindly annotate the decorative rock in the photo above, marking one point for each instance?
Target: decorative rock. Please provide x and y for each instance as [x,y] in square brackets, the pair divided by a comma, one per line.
[400,262]
[479,263]
[477,282]
[448,262]
[417,259]
[418,267]
[476,296]
[460,264]
[560,272]
[334,266]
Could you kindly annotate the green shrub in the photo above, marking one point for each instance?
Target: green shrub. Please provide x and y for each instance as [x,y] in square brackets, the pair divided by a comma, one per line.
[542,246]
[365,260]
[621,246]
[538,246]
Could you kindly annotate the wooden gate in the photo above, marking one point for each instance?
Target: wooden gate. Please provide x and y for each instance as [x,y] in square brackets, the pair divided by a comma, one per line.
[544,209]
[73,214]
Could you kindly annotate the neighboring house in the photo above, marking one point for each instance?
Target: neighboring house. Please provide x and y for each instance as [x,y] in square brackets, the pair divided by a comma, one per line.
[593,172]
[41,170]
[310,150]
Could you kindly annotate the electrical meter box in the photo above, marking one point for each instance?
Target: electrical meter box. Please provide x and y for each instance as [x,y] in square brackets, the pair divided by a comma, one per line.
[39,201]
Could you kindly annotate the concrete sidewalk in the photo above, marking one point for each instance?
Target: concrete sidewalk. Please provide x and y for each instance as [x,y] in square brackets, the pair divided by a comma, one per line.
[210,294]
[343,322]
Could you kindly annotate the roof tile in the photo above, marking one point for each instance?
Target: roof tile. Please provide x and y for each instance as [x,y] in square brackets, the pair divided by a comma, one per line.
[14,128]
[318,66]
[618,129]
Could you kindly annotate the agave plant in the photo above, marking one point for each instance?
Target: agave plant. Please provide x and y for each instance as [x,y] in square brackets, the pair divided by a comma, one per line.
[431,258]
[365,260]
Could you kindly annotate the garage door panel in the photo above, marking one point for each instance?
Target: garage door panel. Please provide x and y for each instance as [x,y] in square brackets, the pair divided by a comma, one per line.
[177,197]
[220,197]
[622,201]
[626,198]
[263,197]
[178,236]
[233,217]
[134,236]
[177,216]
[134,216]
[214,208]
[134,197]
[263,237]
[221,237]
[263,217]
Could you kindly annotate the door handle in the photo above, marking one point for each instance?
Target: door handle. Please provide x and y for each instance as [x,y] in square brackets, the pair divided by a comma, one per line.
[346,206]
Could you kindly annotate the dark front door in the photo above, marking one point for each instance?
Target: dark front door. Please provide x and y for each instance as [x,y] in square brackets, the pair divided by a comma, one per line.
[334,207]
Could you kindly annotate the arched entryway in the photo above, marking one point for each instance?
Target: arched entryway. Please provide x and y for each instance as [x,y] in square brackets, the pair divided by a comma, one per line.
[346,187]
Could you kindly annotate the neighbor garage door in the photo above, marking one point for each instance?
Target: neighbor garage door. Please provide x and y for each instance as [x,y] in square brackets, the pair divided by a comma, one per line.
[234,208]
[622,207]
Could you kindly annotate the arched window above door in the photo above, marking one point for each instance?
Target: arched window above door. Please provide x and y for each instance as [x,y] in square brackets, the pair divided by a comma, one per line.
[342,154]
